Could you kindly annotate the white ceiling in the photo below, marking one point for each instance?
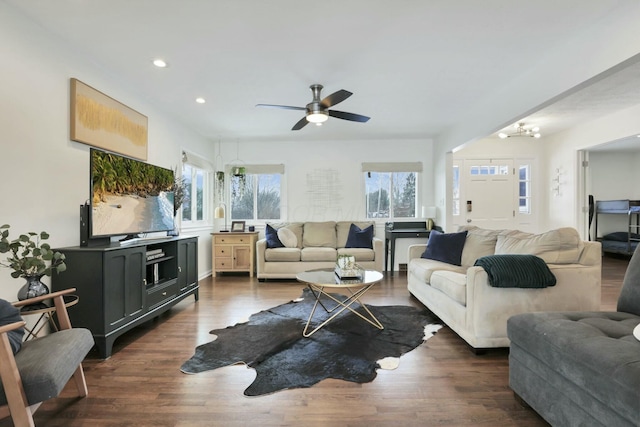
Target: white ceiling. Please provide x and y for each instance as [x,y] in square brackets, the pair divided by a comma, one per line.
[415,66]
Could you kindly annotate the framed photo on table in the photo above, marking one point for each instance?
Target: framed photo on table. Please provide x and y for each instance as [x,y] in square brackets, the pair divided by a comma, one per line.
[237,226]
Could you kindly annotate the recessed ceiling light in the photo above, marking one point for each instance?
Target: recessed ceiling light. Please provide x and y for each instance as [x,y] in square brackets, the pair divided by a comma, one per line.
[201,100]
[160,63]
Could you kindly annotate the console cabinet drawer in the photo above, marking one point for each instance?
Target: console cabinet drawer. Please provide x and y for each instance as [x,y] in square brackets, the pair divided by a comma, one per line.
[156,297]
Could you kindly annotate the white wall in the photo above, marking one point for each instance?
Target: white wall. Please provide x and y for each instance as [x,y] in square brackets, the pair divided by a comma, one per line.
[562,149]
[45,174]
[304,160]
[614,175]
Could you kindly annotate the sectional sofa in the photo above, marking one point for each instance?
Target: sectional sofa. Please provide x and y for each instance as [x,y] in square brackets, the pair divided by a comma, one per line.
[463,298]
[581,368]
[311,245]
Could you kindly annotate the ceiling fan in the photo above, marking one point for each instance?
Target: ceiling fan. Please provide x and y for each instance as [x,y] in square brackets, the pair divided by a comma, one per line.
[317,111]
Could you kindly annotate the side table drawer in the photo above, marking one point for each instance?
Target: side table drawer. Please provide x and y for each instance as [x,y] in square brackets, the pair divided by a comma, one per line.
[224,263]
[223,251]
[232,240]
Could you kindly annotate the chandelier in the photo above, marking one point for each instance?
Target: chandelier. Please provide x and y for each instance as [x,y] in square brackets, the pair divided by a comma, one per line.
[522,131]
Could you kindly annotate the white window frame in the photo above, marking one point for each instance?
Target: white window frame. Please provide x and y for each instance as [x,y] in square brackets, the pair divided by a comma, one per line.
[199,164]
[253,172]
[392,168]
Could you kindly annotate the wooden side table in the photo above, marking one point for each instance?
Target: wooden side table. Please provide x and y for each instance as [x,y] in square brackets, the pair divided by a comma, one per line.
[45,314]
[234,252]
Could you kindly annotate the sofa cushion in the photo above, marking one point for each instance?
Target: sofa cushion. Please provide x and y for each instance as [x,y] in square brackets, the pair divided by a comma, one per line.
[422,268]
[8,315]
[361,254]
[480,242]
[343,227]
[629,299]
[271,234]
[561,246]
[287,237]
[318,254]
[282,254]
[296,227]
[451,283]
[360,238]
[319,234]
[445,247]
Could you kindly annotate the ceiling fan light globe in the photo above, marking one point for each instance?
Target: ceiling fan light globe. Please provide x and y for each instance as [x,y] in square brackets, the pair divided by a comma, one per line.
[503,135]
[317,117]
[536,135]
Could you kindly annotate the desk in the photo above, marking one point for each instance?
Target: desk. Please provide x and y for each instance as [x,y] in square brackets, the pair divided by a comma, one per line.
[46,316]
[399,230]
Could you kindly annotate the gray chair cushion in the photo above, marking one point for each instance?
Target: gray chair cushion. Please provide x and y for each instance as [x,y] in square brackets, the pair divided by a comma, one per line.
[10,314]
[629,299]
[46,364]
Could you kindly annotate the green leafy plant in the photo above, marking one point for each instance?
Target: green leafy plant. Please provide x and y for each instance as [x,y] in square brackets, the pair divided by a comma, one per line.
[179,188]
[30,256]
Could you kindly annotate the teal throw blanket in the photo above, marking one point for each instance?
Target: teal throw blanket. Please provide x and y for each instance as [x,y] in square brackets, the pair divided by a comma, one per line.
[516,271]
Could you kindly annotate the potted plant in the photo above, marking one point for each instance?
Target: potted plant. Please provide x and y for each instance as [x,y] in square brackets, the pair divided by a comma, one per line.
[31,258]
[220,184]
[179,189]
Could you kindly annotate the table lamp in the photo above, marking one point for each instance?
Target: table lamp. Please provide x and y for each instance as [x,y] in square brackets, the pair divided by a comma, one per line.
[429,213]
[221,212]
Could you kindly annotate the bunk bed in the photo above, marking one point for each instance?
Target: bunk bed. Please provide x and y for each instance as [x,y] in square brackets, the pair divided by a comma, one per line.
[621,242]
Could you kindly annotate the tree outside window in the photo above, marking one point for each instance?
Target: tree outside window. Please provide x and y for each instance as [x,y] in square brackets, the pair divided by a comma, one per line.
[391,194]
[260,199]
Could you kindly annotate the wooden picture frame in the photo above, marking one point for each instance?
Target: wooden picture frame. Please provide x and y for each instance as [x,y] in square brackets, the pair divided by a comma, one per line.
[237,226]
[103,122]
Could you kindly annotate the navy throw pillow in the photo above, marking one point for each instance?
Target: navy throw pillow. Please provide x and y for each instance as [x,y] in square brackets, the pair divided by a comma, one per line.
[360,238]
[445,247]
[271,234]
[9,314]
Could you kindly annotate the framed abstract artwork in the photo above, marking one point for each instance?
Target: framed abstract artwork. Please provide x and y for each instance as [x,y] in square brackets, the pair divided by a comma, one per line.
[101,121]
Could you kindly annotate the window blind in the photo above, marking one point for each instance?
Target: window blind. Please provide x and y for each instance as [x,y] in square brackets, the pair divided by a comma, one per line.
[392,167]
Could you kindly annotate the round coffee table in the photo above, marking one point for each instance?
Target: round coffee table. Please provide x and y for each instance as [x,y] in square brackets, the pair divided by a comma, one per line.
[318,280]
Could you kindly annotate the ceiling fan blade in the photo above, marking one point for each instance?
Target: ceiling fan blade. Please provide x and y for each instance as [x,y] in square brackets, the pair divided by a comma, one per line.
[335,98]
[348,116]
[285,107]
[302,123]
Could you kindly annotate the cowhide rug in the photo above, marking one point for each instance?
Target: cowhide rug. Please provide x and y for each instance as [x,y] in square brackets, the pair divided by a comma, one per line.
[348,348]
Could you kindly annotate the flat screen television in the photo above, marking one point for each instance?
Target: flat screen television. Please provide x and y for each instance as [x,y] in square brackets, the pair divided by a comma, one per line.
[128,197]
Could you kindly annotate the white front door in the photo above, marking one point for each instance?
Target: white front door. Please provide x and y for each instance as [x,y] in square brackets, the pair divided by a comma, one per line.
[489,194]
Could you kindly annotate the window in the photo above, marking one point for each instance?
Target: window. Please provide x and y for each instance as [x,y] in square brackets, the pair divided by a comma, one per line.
[390,189]
[456,190]
[489,170]
[257,194]
[524,189]
[197,197]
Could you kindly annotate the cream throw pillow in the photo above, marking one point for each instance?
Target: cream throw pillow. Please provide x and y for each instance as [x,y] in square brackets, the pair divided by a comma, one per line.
[287,237]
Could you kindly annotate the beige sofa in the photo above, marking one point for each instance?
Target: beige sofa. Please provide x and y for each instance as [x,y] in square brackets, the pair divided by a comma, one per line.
[462,297]
[318,244]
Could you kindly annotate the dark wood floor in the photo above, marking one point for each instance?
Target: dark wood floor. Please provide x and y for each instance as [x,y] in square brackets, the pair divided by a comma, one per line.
[440,383]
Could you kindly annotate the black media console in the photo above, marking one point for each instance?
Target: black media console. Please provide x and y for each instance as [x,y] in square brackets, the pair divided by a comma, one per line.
[122,286]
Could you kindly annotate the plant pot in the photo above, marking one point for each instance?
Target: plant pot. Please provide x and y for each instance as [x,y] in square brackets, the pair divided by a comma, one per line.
[33,288]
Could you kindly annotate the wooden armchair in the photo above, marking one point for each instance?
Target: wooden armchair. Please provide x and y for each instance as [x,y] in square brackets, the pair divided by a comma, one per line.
[43,366]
